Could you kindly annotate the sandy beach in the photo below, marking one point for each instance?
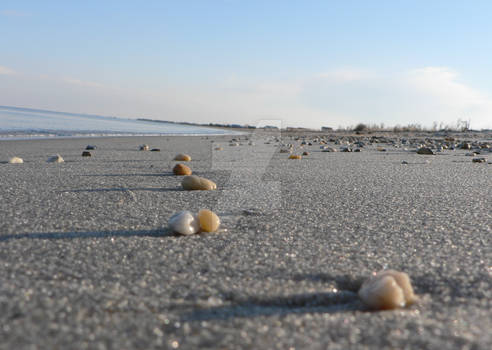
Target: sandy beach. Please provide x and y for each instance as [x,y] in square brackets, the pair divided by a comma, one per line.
[87,260]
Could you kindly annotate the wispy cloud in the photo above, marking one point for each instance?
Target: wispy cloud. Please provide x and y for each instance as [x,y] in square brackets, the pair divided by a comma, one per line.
[82,82]
[6,71]
[14,13]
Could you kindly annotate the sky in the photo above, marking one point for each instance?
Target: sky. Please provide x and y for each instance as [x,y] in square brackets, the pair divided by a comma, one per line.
[304,63]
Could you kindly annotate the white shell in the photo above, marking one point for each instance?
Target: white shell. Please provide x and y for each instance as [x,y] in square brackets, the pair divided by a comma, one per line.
[56,159]
[388,289]
[16,160]
[184,223]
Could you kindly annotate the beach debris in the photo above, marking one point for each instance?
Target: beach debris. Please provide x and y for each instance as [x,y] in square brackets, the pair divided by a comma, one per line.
[86,154]
[56,159]
[209,221]
[144,147]
[90,147]
[295,156]
[184,223]
[155,150]
[181,169]
[182,157]
[16,160]
[193,182]
[387,289]
[479,160]
[425,150]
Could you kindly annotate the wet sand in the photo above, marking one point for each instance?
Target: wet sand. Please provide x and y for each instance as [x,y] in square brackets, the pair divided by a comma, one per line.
[86,260]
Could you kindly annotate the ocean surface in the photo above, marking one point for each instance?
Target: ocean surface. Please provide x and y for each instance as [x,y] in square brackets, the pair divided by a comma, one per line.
[20,123]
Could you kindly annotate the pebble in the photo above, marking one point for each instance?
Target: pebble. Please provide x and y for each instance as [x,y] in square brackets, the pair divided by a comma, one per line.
[295,156]
[479,160]
[209,221]
[144,147]
[155,150]
[182,157]
[305,153]
[404,162]
[218,149]
[425,150]
[16,160]
[90,147]
[56,159]
[329,149]
[86,154]
[388,289]
[181,169]
[184,223]
[193,182]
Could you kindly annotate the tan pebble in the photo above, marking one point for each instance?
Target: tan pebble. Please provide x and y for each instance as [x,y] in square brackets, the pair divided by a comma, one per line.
[218,148]
[144,147]
[209,221]
[182,157]
[184,223]
[295,156]
[16,160]
[181,169]
[388,289]
[56,159]
[193,182]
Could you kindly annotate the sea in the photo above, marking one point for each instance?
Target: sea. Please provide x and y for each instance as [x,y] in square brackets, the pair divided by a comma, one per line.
[27,123]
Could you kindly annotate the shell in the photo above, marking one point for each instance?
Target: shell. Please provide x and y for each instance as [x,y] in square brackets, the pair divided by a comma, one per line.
[193,182]
[181,169]
[184,223]
[16,160]
[56,159]
[295,156]
[388,289]
[209,221]
[182,157]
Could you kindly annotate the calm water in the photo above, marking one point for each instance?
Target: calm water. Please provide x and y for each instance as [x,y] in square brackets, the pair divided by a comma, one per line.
[23,122]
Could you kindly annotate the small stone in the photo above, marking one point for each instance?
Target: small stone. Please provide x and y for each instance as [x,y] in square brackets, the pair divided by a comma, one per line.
[295,156]
[193,182]
[56,159]
[381,149]
[305,153]
[86,154]
[471,154]
[388,289]
[184,223]
[144,147]
[346,149]
[234,144]
[404,162]
[182,157]
[479,160]
[181,169]
[357,150]
[90,147]
[16,160]
[218,148]
[155,150]
[329,149]
[465,145]
[425,150]
[209,221]
[285,150]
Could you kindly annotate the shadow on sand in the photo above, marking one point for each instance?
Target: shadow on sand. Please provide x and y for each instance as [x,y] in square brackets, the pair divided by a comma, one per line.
[90,234]
[124,189]
[327,302]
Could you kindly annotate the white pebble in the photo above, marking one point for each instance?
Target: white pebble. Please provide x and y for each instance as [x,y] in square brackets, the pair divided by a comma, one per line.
[56,159]
[184,223]
[16,160]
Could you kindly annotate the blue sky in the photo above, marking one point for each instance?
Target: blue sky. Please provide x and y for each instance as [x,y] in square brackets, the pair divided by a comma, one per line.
[307,63]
